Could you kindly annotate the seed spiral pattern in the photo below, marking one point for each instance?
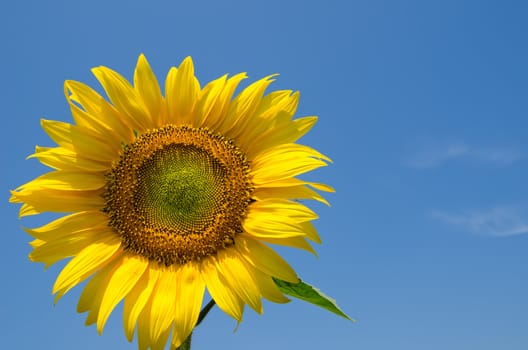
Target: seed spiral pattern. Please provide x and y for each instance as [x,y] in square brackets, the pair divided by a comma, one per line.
[178,194]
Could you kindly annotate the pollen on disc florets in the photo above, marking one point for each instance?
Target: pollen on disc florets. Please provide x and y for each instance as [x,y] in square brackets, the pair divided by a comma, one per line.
[178,194]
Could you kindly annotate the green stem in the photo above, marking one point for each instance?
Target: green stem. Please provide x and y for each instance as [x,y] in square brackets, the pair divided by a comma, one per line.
[186,345]
[205,311]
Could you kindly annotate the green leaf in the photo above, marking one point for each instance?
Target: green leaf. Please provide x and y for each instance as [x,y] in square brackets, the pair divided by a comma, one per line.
[308,293]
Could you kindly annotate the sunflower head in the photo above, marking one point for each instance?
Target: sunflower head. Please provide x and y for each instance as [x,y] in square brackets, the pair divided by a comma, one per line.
[166,195]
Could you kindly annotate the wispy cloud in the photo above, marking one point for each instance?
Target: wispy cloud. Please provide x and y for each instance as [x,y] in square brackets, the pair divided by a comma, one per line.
[498,221]
[434,157]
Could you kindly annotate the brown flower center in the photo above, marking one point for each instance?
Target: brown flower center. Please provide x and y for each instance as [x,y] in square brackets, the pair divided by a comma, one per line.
[178,194]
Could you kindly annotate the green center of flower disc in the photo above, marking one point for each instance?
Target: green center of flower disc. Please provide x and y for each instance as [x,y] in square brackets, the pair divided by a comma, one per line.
[181,186]
[178,194]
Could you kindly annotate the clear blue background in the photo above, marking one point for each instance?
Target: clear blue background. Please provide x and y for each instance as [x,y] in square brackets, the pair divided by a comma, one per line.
[423,107]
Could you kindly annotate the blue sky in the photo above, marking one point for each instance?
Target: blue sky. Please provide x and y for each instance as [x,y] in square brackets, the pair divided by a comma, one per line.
[423,108]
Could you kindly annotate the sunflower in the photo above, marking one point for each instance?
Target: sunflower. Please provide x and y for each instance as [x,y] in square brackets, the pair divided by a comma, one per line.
[167,196]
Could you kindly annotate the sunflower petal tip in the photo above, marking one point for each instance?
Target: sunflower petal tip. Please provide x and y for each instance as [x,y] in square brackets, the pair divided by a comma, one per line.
[13,198]
[98,71]
[187,63]
[100,328]
[129,337]
[67,88]
[142,60]
[237,325]
[325,202]
[57,297]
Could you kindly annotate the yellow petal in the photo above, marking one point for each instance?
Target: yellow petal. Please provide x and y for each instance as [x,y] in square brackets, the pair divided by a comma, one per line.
[232,268]
[181,91]
[81,140]
[42,200]
[37,243]
[89,260]
[270,228]
[285,161]
[59,132]
[286,132]
[112,139]
[148,89]
[280,210]
[221,104]
[293,192]
[123,278]
[276,109]
[268,288]
[25,209]
[143,332]
[265,259]
[66,180]
[275,102]
[311,232]
[207,100]
[145,340]
[137,299]
[289,182]
[94,124]
[100,115]
[123,97]
[64,159]
[93,292]
[225,298]
[188,302]
[243,108]
[163,300]
[69,224]
[162,340]
[294,242]
[56,249]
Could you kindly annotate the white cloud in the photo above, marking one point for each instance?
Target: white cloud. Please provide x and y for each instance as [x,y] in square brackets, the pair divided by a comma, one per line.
[431,158]
[498,221]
